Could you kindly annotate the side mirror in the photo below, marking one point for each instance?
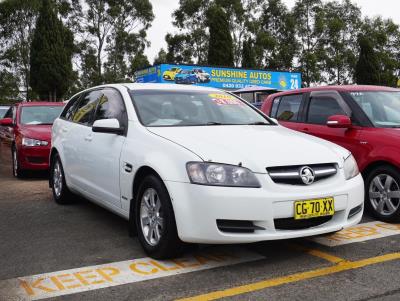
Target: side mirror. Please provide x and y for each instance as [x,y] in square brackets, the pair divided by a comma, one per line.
[339,121]
[108,126]
[6,122]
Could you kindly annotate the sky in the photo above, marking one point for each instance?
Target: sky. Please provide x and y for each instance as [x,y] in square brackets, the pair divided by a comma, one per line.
[163,9]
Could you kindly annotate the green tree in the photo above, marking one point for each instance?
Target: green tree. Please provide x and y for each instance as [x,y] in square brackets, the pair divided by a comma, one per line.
[50,55]
[342,25]
[367,69]
[179,48]
[111,30]
[309,16]
[276,43]
[161,57]
[140,61]
[385,38]
[248,54]
[220,47]
[8,87]
[17,20]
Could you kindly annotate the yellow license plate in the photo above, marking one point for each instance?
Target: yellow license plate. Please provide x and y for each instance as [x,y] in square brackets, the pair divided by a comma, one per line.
[314,208]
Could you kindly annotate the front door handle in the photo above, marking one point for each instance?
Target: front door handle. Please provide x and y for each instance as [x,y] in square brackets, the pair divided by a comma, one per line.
[89,138]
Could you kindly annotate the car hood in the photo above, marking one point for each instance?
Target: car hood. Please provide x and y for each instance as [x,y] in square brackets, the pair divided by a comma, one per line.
[256,147]
[39,132]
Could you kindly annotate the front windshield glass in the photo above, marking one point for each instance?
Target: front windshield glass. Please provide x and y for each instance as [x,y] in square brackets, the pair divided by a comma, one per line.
[382,108]
[193,108]
[36,115]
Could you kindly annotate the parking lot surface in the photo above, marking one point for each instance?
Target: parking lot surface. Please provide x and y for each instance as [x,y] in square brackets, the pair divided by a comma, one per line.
[83,252]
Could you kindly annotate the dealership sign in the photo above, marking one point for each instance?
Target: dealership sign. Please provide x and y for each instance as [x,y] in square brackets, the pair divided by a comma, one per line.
[224,78]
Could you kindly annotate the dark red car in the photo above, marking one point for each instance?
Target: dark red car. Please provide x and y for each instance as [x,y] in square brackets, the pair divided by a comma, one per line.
[363,119]
[28,126]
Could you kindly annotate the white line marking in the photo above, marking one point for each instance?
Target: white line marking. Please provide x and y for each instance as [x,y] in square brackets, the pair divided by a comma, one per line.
[358,233]
[117,273]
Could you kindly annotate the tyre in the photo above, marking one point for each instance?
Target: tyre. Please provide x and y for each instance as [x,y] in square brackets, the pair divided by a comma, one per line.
[155,220]
[61,194]
[18,172]
[382,193]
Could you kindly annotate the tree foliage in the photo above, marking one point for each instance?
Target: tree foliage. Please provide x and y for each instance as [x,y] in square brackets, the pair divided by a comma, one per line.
[367,67]
[220,48]
[50,55]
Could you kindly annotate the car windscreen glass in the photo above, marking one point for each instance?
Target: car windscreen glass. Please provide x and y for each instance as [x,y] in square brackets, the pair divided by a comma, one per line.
[37,115]
[3,111]
[193,108]
[382,108]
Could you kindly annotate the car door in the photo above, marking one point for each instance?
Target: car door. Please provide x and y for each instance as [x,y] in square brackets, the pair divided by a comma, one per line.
[286,109]
[319,107]
[7,132]
[101,151]
[79,132]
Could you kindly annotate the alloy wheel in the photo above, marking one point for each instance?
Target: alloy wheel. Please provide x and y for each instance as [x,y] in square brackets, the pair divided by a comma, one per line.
[57,179]
[384,194]
[151,217]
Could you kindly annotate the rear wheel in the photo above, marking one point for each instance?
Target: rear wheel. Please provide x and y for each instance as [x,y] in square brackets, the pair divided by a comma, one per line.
[61,194]
[17,171]
[155,220]
[382,193]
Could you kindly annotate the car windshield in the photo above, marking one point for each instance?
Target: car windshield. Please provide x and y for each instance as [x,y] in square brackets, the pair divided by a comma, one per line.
[382,108]
[193,108]
[37,115]
[3,111]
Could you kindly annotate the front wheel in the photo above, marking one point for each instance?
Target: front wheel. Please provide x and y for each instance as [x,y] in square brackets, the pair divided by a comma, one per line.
[155,220]
[61,194]
[382,193]
[17,171]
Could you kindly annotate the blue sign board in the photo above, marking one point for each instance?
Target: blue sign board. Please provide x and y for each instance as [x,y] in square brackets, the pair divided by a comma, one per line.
[223,78]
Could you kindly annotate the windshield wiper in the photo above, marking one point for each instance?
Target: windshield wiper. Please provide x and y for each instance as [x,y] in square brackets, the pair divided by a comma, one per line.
[259,123]
[213,123]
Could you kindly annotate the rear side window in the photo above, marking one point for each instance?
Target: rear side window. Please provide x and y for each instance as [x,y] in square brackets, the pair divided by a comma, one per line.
[321,108]
[289,106]
[86,107]
[110,106]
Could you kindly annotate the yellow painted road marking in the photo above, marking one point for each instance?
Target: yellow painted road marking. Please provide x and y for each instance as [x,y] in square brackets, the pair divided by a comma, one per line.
[318,253]
[358,233]
[117,273]
[340,267]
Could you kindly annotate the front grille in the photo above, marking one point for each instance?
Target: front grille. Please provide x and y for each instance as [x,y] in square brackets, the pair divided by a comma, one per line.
[298,224]
[237,226]
[291,174]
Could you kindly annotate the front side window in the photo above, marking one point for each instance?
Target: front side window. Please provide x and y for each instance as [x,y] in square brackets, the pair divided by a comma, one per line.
[193,108]
[3,111]
[38,115]
[382,108]
[321,108]
[70,108]
[289,106]
[86,107]
[111,106]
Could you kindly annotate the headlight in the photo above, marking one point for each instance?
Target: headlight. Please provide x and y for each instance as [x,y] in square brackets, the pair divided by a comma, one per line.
[33,142]
[350,167]
[216,174]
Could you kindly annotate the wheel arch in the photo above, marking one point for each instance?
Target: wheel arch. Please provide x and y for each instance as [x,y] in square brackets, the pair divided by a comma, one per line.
[367,170]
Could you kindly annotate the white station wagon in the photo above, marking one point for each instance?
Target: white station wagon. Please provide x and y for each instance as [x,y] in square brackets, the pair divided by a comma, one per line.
[189,164]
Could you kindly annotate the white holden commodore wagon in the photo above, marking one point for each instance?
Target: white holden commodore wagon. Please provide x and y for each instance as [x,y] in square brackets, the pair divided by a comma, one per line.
[189,164]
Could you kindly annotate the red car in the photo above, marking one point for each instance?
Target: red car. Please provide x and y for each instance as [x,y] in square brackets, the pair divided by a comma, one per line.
[363,119]
[29,124]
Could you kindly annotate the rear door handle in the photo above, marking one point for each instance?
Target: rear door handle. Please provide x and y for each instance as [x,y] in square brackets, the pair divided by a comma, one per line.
[89,138]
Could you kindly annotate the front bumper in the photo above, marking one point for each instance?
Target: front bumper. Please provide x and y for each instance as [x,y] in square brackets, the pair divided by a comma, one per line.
[197,208]
[34,158]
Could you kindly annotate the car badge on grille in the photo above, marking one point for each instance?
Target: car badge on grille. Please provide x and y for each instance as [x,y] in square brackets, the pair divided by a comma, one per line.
[307,175]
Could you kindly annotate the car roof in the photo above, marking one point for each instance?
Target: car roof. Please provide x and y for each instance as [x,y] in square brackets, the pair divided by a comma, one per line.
[166,87]
[344,88]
